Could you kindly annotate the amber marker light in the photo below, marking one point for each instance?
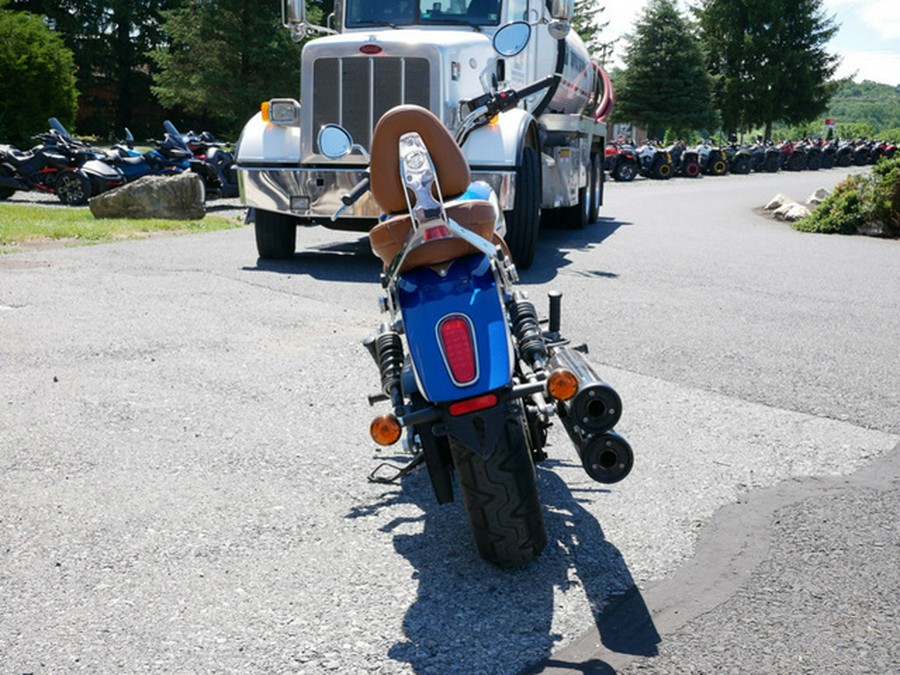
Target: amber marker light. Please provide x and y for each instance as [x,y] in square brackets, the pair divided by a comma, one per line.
[264,109]
[562,384]
[385,430]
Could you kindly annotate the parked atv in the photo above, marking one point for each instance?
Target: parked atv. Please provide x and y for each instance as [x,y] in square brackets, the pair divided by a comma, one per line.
[713,161]
[764,156]
[654,162]
[738,158]
[685,161]
[621,162]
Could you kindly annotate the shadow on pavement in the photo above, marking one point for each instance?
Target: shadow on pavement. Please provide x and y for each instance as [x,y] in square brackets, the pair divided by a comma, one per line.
[556,243]
[472,617]
[338,261]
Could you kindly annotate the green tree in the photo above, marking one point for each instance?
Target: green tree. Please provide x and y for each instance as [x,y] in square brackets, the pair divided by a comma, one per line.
[589,24]
[37,77]
[224,57]
[664,84]
[110,40]
[768,59]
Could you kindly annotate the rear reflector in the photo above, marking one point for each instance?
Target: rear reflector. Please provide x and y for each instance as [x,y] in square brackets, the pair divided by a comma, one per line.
[473,404]
[458,346]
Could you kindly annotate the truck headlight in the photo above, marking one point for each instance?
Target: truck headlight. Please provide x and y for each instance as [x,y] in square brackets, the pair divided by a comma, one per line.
[283,111]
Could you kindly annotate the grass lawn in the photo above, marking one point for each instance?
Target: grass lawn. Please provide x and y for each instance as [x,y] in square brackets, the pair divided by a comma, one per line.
[26,227]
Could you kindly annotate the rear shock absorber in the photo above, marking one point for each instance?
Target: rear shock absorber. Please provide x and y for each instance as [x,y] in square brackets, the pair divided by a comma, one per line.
[389,355]
[527,330]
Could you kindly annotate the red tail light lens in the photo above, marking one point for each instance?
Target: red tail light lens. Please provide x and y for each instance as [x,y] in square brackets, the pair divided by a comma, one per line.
[458,347]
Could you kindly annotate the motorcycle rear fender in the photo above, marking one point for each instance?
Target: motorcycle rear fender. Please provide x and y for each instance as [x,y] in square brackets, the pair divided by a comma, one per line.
[468,288]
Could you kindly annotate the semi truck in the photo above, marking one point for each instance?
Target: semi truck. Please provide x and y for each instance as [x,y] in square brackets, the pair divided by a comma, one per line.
[544,159]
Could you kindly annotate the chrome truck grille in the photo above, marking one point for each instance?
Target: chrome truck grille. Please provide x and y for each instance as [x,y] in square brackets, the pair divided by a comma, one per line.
[355,92]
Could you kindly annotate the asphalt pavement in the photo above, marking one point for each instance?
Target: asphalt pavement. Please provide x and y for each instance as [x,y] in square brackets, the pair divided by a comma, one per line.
[183,456]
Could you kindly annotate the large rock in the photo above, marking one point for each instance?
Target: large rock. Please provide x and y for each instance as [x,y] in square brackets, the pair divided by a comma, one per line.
[171,197]
[777,202]
[817,197]
[791,211]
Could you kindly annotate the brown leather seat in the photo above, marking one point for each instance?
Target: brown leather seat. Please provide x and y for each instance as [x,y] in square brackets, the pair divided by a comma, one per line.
[388,237]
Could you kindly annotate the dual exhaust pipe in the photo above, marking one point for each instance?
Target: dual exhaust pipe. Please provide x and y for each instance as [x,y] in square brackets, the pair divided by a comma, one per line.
[589,418]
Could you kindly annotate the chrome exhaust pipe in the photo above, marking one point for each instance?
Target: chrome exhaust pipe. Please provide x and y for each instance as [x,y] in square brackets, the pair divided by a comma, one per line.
[607,457]
[596,407]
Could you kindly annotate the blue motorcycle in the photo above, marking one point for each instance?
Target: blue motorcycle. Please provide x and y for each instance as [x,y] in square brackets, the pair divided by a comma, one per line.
[171,156]
[471,376]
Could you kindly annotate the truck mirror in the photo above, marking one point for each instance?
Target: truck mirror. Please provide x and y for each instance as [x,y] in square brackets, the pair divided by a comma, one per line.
[512,38]
[559,29]
[334,141]
[293,12]
[562,9]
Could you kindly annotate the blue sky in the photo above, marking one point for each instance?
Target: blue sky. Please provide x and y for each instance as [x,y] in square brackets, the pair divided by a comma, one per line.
[868,40]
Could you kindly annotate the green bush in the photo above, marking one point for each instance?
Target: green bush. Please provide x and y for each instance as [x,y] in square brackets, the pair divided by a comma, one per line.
[37,75]
[859,203]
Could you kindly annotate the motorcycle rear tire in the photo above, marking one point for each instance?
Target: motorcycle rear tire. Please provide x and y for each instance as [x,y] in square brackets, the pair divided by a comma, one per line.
[524,220]
[276,235]
[501,499]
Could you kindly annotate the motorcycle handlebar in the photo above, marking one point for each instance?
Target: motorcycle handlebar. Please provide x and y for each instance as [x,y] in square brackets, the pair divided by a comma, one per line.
[356,192]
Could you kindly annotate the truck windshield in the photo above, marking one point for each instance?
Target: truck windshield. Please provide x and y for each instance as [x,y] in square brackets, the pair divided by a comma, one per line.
[364,13]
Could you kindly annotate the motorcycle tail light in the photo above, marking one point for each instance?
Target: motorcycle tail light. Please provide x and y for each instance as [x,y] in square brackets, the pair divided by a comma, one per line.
[385,430]
[473,404]
[562,384]
[458,348]
[437,232]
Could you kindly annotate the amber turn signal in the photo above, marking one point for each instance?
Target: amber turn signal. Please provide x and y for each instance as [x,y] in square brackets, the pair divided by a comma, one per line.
[562,384]
[385,430]
[264,109]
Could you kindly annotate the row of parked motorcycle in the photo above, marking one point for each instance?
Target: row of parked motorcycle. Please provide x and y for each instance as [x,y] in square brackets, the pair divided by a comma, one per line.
[74,171]
[624,161]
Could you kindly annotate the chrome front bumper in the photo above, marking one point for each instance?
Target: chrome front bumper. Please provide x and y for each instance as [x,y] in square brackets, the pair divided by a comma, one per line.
[315,194]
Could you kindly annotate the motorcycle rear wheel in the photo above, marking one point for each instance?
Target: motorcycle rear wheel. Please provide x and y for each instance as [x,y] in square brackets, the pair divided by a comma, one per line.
[501,499]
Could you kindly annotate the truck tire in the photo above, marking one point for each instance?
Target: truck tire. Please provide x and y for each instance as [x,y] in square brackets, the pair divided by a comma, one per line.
[596,183]
[276,235]
[524,220]
[501,499]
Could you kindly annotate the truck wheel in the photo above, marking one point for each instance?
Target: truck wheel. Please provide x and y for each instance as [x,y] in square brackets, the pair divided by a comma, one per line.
[500,494]
[276,235]
[577,216]
[523,222]
[596,183]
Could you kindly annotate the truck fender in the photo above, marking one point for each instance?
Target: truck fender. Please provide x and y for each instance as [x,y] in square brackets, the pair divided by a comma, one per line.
[501,143]
[266,143]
